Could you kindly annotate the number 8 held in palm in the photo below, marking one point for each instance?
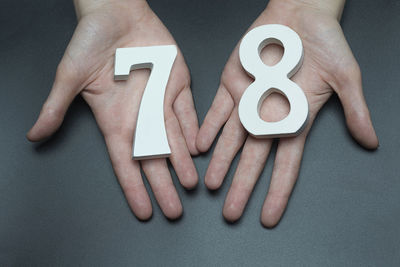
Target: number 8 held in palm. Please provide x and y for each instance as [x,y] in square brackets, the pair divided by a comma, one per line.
[269,79]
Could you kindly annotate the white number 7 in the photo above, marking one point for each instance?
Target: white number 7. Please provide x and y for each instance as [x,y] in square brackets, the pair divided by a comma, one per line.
[150,139]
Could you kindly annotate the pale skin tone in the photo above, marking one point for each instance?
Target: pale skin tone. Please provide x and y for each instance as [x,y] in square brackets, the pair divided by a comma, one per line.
[87,68]
[329,67]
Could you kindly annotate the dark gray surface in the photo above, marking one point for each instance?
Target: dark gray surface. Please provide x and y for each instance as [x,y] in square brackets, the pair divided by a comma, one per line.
[60,204]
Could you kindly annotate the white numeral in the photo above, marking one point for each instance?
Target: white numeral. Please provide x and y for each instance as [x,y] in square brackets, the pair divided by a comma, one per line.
[150,139]
[269,79]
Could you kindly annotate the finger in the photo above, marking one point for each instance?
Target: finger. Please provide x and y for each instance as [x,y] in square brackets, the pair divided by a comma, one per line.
[185,112]
[357,115]
[128,174]
[218,114]
[230,141]
[284,176]
[158,175]
[180,155]
[65,87]
[252,160]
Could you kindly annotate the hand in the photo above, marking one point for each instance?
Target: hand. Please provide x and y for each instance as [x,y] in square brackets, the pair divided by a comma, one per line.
[329,66]
[87,68]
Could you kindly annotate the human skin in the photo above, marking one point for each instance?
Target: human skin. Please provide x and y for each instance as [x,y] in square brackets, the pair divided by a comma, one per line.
[87,68]
[328,67]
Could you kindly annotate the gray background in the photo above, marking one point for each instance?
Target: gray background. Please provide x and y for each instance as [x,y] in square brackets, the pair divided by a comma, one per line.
[60,204]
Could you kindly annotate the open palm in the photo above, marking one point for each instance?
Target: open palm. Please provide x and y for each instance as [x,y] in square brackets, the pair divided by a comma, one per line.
[87,67]
[329,66]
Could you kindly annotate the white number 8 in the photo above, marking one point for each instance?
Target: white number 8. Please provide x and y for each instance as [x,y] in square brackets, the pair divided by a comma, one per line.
[269,79]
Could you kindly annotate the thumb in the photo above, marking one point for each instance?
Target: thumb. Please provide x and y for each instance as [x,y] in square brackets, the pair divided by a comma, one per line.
[355,108]
[64,90]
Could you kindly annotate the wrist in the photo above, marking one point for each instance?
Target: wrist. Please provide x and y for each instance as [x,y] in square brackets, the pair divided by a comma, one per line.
[84,7]
[332,8]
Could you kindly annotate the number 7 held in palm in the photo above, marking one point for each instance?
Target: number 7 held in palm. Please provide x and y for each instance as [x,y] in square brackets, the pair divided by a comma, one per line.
[150,137]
